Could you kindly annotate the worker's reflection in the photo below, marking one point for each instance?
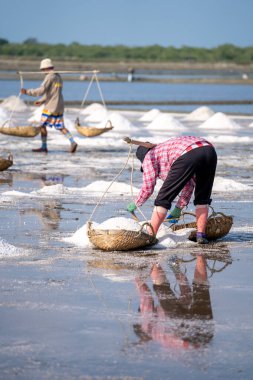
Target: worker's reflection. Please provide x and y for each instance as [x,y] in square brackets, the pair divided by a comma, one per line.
[49,213]
[178,321]
[6,180]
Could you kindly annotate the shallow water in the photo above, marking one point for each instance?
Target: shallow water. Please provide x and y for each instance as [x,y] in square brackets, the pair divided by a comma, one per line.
[149,92]
[76,312]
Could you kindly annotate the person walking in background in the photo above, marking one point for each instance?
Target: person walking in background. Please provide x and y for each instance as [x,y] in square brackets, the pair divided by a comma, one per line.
[52,98]
[184,163]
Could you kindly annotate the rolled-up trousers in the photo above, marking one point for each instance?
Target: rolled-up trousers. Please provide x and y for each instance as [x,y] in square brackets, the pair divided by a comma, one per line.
[199,163]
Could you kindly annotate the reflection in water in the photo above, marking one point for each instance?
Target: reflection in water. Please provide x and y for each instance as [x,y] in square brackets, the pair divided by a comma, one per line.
[49,215]
[172,311]
[176,320]
[6,179]
[49,180]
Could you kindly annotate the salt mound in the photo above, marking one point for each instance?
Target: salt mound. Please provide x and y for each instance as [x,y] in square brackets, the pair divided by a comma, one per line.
[169,239]
[97,116]
[9,123]
[221,122]
[36,115]
[118,121]
[150,115]
[116,187]
[166,237]
[80,237]
[9,250]
[92,108]
[201,113]
[52,190]
[3,114]
[14,193]
[224,184]
[164,122]
[14,103]
[119,223]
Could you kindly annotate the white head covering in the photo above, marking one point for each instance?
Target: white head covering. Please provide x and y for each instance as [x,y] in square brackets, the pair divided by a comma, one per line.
[46,64]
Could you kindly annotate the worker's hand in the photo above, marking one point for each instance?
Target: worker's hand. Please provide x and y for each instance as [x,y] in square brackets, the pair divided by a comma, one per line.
[37,103]
[174,215]
[131,207]
[23,91]
[127,139]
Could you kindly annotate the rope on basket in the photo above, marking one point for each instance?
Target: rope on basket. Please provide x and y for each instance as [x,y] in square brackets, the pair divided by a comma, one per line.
[114,179]
[94,77]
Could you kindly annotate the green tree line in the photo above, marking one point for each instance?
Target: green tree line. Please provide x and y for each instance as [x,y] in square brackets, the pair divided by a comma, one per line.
[154,53]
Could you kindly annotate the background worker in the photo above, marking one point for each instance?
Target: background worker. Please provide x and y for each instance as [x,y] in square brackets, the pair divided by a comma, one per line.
[52,98]
[184,163]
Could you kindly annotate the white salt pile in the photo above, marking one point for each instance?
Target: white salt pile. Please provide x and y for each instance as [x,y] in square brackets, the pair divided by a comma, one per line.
[14,103]
[92,108]
[97,116]
[166,237]
[36,115]
[58,189]
[119,122]
[8,250]
[150,115]
[3,115]
[119,223]
[200,114]
[80,237]
[224,185]
[116,187]
[169,239]
[221,122]
[14,193]
[165,122]
[228,139]
[7,123]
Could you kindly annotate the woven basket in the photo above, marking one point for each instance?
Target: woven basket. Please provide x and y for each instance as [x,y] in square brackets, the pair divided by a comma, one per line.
[5,163]
[120,240]
[91,131]
[20,131]
[218,225]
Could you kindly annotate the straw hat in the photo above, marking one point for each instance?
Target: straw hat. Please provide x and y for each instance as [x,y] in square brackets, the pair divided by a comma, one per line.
[46,64]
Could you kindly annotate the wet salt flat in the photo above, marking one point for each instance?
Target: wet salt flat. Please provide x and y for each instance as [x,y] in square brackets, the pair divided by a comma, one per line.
[69,311]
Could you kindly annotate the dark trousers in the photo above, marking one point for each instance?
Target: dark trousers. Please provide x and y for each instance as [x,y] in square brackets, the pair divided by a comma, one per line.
[199,162]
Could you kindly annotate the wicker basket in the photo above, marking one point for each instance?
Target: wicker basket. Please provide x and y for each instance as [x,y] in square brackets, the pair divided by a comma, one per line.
[20,131]
[6,163]
[218,225]
[120,240]
[92,131]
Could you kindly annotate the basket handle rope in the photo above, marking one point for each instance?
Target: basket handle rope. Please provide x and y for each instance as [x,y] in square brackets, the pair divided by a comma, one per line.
[114,179]
[106,190]
[153,236]
[16,102]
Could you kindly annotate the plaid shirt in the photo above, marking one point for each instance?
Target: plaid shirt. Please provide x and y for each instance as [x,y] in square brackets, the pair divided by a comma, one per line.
[157,164]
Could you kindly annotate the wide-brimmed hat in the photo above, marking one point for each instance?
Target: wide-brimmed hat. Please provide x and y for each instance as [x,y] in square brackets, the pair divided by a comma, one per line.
[46,64]
[141,153]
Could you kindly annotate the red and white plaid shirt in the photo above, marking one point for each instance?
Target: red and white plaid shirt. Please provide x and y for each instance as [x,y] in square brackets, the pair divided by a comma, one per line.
[158,162]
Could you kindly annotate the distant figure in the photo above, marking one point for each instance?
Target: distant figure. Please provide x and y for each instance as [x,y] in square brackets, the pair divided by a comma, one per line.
[130,76]
[52,114]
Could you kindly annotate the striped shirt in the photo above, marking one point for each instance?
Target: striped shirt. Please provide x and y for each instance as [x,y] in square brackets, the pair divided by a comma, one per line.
[158,162]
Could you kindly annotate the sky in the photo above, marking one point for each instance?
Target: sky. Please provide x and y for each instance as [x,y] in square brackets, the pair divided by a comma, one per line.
[196,23]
